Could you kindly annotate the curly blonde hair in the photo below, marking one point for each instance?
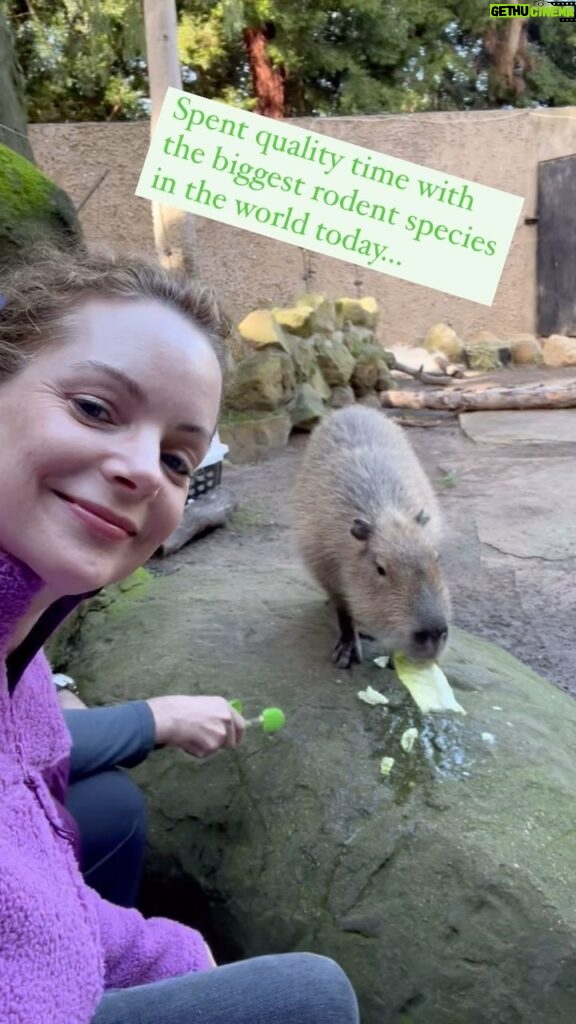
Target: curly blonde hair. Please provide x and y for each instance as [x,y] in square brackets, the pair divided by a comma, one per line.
[52,281]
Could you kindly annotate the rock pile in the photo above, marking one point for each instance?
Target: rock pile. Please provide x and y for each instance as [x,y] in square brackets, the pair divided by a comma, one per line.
[296,364]
[486,351]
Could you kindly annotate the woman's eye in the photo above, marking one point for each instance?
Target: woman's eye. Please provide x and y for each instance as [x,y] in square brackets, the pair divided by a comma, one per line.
[380,570]
[178,465]
[90,408]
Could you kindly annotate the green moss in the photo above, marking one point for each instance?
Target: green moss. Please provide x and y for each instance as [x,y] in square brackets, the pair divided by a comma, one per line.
[65,642]
[24,190]
[31,208]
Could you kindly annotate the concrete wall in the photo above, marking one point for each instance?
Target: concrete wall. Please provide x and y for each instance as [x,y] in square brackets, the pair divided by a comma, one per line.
[496,148]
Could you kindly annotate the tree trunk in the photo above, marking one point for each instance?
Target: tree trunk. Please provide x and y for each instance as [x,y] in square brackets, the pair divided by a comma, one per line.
[267,81]
[174,230]
[530,396]
[506,48]
[12,109]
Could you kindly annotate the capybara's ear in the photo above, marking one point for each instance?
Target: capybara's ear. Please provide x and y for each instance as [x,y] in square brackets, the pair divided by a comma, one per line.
[361,529]
[422,517]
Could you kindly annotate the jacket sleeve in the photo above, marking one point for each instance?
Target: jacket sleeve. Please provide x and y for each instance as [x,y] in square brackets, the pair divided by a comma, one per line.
[121,734]
[139,950]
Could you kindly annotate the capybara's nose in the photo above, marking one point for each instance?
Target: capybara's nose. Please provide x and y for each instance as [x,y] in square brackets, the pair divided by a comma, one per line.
[432,639]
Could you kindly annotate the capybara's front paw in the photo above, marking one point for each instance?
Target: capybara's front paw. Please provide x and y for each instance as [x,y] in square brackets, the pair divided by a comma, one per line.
[347,652]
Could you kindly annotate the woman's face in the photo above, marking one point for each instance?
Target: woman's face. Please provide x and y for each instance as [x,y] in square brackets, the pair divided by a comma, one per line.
[98,438]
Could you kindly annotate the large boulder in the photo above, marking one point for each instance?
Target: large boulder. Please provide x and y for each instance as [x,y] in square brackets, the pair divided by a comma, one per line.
[335,361]
[442,338]
[307,407]
[263,381]
[304,358]
[341,397]
[295,320]
[261,329]
[32,207]
[445,890]
[305,321]
[525,349]
[357,338]
[252,436]
[371,372]
[363,312]
[560,350]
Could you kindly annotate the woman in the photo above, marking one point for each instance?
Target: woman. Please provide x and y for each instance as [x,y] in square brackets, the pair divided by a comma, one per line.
[110,386]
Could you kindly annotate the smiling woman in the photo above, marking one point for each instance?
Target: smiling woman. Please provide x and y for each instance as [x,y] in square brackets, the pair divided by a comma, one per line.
[110,388]
[111,383]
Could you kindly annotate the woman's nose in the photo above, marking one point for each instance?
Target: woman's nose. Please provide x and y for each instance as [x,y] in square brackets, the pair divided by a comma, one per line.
[137,465]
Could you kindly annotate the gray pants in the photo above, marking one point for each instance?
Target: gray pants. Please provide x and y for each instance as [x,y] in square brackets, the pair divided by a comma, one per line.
[293,988]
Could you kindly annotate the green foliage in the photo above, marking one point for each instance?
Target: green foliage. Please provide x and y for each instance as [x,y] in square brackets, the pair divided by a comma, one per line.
[86,61]
[362,56]
[82,60]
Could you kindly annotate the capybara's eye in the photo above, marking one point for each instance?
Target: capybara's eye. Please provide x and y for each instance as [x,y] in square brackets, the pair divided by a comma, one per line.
[381,571]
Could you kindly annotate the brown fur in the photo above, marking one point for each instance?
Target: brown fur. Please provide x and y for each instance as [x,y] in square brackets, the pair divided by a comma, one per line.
[359,465]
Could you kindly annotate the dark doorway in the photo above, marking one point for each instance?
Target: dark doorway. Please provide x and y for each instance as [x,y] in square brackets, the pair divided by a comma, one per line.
[556,251]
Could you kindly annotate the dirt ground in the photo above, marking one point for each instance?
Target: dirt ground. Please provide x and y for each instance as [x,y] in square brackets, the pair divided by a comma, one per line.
[524,602]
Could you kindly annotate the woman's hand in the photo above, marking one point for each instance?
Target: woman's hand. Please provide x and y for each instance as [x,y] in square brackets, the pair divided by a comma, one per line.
[198,725]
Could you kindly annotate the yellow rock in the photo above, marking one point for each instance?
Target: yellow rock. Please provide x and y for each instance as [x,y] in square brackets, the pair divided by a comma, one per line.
[560,350]
[295,320]
[359,311]
[442,338]
[313,299]
[525,349]
[260,328]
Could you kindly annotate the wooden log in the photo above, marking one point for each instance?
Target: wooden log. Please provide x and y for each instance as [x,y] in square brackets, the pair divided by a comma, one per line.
[426,376]
[205,513]
[529,396]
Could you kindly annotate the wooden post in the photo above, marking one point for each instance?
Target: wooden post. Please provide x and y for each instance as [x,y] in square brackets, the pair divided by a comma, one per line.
[174,230]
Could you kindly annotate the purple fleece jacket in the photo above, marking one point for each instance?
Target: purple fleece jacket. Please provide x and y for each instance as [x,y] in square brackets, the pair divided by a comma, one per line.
[61,945]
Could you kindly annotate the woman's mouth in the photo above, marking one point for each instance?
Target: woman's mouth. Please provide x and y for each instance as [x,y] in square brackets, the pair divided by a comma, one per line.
[99,520]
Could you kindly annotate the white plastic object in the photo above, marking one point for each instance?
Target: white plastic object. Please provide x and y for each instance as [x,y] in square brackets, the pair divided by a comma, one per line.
[216,452]
[61,681]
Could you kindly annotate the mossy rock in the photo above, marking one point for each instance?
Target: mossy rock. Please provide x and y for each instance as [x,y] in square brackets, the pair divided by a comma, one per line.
[304,358]
[319,384]
[445,890]
[334,359]
[294,320]
[363,312]
[341,397]
[32,208]
[252,435]
[442,338]
[371,372]
[357,338]
[263,381]
[307,408]
[64,643]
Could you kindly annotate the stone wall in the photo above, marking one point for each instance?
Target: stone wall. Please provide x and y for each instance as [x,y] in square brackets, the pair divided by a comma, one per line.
[501,149]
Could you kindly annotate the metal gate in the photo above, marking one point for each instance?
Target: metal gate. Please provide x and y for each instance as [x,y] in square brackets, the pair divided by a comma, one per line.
[556,249]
